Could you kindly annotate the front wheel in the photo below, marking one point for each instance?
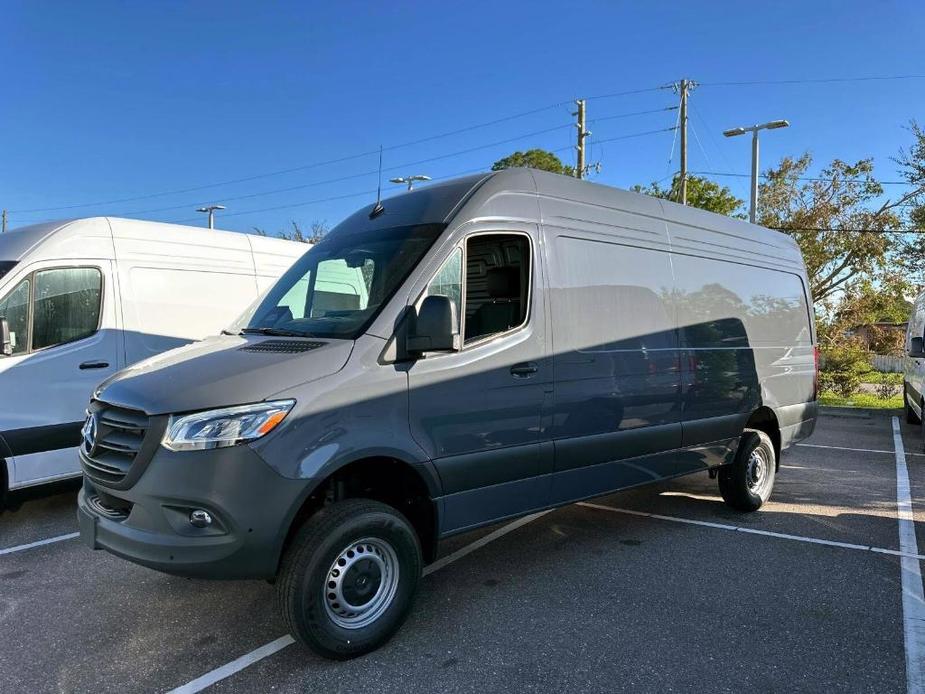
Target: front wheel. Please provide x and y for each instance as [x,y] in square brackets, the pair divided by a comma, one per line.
[349,578]
[747,483]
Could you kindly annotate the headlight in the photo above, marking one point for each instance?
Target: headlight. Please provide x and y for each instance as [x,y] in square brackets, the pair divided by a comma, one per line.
[226,427]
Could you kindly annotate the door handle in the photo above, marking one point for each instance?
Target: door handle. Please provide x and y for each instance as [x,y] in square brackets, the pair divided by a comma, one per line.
[524,369]
[94,365]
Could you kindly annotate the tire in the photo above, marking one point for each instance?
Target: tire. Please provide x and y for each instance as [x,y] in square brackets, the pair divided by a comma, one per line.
[315,593]
[737,483]
[911,416]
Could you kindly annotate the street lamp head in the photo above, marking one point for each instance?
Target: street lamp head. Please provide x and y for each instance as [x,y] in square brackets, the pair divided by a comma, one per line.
[733,132]
[397,180]
[776,124]
[210,208]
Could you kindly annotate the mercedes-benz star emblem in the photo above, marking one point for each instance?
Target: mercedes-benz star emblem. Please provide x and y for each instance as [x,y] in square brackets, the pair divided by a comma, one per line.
[89,434]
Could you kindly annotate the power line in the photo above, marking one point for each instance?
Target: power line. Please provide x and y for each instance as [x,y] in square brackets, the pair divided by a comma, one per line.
[801,178]
[634,113]
[627,137]
[330,162]
[823,80]
[630,92]
[372,172]
[304,167]
[322,200]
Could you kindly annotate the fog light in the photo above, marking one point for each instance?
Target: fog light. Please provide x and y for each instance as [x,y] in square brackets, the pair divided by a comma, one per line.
[200,518]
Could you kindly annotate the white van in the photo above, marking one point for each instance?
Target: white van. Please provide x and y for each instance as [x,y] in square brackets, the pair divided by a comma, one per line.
[85,298]
[914,371]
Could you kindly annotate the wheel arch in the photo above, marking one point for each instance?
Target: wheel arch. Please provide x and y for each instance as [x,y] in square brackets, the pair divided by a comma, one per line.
[407,487]
[764,419]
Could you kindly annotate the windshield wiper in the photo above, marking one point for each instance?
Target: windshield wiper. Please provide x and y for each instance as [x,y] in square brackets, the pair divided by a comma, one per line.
[274,332]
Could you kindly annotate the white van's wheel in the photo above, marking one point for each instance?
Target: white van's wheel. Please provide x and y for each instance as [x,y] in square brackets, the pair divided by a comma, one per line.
[349,578]
[747,483]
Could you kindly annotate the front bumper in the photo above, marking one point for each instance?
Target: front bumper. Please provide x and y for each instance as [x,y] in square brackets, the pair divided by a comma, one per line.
[250,504]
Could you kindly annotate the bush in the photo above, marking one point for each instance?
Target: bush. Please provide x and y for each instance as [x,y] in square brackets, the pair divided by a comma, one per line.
[844,365]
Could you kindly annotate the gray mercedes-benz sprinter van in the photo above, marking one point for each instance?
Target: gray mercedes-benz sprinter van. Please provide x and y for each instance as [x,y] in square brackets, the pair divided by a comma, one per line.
[524,340]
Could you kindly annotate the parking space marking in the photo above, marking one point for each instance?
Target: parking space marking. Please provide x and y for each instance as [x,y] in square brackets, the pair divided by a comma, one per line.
[856,450]
[268,649]
[911,572]
[914,556]
[39,543]
[246,660]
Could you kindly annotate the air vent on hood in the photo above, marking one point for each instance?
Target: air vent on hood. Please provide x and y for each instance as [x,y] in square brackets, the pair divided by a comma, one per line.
[282,346]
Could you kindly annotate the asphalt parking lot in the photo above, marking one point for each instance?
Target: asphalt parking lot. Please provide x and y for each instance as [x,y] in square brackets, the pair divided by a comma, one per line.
[660,589]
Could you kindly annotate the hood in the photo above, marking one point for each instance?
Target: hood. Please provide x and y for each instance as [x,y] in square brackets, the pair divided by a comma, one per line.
[223,371]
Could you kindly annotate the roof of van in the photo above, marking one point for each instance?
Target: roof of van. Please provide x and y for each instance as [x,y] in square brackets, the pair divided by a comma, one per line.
[17,243]
[522,193]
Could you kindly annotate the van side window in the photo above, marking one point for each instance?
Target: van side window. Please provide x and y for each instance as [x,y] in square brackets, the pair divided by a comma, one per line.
[448,282]
[497,283]
[15,308]
[67,305]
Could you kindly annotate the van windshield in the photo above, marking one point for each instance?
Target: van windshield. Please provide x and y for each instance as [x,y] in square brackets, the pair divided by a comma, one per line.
[338,287]
[6,266]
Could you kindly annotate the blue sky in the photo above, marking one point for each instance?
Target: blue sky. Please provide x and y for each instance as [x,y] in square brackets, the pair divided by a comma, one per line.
[103,101]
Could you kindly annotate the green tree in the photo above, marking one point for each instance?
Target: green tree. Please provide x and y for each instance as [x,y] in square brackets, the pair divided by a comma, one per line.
[701,192]
[534,159]
[815,211]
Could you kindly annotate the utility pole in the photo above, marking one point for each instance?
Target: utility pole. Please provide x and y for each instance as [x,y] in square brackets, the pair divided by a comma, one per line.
[582,135]
[3,226]
[684,88]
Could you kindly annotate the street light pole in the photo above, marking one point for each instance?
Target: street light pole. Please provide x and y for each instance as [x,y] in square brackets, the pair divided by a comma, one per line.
[211,210]
[771,125]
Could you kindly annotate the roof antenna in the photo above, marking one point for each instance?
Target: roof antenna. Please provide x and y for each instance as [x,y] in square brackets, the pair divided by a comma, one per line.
[378,209]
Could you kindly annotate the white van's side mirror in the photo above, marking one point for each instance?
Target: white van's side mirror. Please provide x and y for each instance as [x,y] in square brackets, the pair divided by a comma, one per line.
[916,348]
[6,341]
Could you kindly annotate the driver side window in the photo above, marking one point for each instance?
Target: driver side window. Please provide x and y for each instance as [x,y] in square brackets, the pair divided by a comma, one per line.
[15,308]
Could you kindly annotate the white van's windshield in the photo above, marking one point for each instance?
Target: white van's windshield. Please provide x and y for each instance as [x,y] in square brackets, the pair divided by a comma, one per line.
[6,266]
[338,287]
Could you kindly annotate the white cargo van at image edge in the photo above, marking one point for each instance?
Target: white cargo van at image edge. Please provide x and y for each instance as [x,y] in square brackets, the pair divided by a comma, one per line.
[86,298]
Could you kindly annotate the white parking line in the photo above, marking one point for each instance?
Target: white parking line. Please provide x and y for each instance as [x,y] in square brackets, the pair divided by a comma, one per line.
[914,556]
[856,450]
[268,649]
[911,572]
[39,543]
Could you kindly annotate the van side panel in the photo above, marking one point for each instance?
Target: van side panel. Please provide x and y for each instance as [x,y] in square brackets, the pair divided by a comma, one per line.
[178,287]
[746,341]
[615,349]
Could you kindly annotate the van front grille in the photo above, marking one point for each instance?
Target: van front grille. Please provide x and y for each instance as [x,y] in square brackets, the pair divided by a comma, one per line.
[109,447]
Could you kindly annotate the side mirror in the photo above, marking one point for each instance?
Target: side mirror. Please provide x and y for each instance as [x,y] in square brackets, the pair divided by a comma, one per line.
[6,341]
[433,327]
[916,347]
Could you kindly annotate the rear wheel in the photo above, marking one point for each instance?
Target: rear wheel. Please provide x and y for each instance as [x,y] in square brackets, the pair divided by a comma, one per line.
[911,416]
[349,578]
[747,483]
